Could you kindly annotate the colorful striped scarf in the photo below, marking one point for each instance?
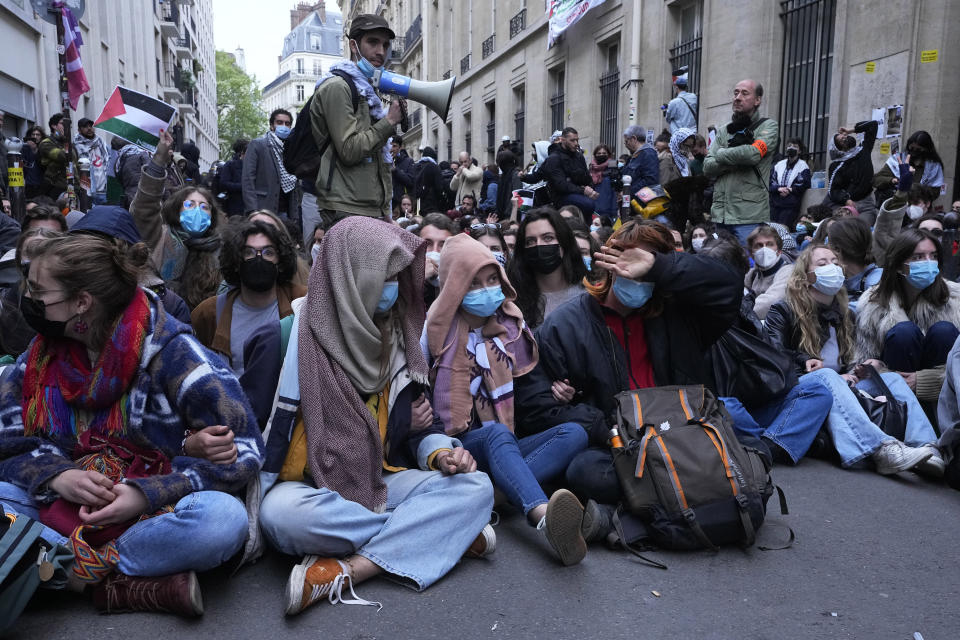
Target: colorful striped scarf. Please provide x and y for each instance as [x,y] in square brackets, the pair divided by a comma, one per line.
[60,380]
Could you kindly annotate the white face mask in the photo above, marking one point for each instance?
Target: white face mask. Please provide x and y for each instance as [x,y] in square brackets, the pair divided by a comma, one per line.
[765,257]
[314,252]
[697,243]
[915,211]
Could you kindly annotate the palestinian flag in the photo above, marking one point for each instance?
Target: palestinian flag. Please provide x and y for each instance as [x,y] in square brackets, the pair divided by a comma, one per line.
[135,117]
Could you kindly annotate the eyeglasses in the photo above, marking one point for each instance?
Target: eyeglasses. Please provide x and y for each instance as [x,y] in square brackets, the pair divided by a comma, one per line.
[485,225]
[190,204]
[268,253]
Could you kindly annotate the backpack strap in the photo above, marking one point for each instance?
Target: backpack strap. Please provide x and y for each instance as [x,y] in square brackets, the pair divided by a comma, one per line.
[355,99]
[692,112]
[631,547]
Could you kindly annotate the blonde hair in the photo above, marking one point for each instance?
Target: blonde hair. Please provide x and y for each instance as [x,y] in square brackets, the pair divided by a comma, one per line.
[804,309]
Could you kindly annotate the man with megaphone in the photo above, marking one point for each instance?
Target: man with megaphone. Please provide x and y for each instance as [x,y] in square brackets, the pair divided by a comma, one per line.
[352,128]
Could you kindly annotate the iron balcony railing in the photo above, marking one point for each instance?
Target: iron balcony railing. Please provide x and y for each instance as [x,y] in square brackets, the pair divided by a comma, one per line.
[414,32]
[464,64]
[487,47]
[518,23]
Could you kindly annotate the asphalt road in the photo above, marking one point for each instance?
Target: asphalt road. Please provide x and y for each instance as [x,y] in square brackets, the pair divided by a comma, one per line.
[875,558]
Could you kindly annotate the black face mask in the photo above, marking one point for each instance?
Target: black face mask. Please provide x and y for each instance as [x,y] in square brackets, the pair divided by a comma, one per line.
[544,258]
[35,314]
[792,153]
[600,159]
[258,274]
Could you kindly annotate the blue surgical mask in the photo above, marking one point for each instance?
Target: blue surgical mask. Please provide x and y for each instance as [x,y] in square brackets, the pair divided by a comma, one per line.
[483,302]
[632,294]
[620,165]
[366,67]
[801,228]
[594,228]
[587,261]
[195,221]
[391,289]
[282,131]
[829,279]
[923,273]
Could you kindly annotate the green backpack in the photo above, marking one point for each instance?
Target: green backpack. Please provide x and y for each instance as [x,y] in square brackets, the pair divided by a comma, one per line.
[26,561]
[683,473]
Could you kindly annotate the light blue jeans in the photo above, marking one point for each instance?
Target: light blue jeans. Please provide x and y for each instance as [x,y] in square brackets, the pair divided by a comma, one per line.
[203,531]
[430,521]
[854,435]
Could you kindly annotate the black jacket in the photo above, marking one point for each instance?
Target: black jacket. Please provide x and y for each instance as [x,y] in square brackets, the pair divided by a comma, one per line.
[402,174]
[702,300]
[783,331]
[231,173]
[430,188]
[565,172]
[853,180]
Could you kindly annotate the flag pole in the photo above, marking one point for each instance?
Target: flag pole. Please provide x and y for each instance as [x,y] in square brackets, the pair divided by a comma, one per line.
[65,108]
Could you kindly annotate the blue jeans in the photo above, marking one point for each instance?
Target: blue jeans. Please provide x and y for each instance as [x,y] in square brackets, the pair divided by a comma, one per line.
[585,204]
[906,348]
[740,230]
[98,198]
[791,422]
[430,521]
[203,531]
[591,476]
[518,466]
[854,435]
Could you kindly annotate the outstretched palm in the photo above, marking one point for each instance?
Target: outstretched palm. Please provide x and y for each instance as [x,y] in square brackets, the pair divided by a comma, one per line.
[632,263]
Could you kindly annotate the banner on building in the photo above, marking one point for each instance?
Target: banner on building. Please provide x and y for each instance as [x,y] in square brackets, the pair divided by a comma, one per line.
[135,117]
[564,13]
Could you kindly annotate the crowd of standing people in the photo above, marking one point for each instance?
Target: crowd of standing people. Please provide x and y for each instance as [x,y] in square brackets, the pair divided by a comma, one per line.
[355,368]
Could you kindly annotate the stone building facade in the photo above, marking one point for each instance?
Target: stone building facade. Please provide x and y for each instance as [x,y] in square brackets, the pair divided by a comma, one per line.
[314,43]
[163,49]
[823,64]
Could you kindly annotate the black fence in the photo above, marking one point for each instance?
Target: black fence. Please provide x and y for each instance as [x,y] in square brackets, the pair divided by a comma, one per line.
[414,32]
[806,73]
[609,102]
[465,64]
[488,47]
[688,53]
[518,23]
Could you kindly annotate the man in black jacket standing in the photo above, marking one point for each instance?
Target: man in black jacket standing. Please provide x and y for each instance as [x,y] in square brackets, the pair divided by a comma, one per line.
[402,172]
[430,187]
[231,176]
[567,175]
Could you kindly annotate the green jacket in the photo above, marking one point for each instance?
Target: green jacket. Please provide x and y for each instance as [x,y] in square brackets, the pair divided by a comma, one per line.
[740,195]
[54,161]
[361,182]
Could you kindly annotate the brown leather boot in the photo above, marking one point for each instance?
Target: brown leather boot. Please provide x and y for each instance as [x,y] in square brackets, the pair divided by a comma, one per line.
[178,593]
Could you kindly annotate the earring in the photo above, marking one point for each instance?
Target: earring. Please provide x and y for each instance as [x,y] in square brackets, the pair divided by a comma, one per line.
[80,326]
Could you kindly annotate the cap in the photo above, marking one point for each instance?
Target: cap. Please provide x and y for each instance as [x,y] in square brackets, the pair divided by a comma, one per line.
[505,139]
[369,22]
[109,220]
[555,135]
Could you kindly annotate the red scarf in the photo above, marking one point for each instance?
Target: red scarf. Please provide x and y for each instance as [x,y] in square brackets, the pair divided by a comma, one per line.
[60,379]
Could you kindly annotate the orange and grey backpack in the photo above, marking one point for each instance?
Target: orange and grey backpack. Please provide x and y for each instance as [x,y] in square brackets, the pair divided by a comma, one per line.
[683,473]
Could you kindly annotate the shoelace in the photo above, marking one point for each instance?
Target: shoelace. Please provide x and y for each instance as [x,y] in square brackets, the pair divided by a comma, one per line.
[542,524]
[336,595]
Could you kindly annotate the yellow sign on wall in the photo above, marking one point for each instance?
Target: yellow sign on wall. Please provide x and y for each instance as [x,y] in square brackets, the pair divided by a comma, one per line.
[15,177]
[870,67]
[930,55]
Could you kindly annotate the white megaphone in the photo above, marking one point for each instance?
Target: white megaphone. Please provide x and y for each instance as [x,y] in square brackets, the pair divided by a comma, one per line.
[435,96]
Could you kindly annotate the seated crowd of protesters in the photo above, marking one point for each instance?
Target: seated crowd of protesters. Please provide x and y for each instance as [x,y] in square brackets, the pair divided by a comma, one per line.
[362,400]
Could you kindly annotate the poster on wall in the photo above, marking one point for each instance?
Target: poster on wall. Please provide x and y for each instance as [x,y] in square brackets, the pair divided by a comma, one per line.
[879,115]
[894,120]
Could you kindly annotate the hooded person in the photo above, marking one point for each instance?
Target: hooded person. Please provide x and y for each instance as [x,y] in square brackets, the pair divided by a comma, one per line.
[369,483]
[477,343]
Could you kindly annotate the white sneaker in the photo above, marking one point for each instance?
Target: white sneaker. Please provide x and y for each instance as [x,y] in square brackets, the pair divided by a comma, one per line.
[932,467]
[894,456]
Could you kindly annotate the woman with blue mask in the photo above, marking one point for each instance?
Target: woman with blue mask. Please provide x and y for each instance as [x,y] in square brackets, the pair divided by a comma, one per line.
[181,231]
[646,322]
[815,326]
[588,246]
[909,320]
[477,343]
